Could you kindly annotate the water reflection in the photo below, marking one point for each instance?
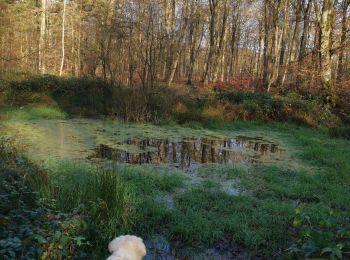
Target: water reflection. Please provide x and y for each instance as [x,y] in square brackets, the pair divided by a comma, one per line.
[188,152]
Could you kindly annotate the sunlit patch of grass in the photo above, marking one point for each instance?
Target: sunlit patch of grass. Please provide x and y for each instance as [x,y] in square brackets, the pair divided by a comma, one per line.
[193,125]
[31,113]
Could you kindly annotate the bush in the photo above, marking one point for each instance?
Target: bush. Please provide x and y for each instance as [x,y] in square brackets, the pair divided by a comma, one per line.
[28,230]
[327,237]
[292,107]
[80,96]
[94,97]
[342,107]
[142,104]
[35,84]
[259,98]
[261,106]
[83,96]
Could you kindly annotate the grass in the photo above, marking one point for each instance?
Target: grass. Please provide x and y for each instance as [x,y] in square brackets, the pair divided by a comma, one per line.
[114,202]
[324,187]
[31,113]
[148,180]
[107,201]
[262,218]
[204,217]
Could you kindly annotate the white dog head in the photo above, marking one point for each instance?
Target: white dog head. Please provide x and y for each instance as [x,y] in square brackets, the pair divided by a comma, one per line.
[126,248]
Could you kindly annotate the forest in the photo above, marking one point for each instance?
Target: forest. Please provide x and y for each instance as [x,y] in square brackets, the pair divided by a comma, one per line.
[211,129]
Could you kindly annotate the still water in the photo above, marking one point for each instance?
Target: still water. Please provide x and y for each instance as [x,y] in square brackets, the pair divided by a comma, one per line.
[185,153]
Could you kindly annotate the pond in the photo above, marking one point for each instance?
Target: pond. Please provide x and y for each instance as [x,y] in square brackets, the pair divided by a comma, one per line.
[95,140]
[186,153]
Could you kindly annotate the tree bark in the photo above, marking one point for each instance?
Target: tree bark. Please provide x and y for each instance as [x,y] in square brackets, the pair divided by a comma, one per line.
[219,57]
[344,28]
[42,67]
[178,47]
[326,46]
[212,42]
[63,35]
[303,41]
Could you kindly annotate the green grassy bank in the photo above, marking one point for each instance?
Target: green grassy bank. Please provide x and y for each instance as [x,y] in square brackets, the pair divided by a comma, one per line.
[295,210]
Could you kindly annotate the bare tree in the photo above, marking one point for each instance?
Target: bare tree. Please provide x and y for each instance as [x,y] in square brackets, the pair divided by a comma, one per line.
[63,35]
[326,24]
[300,43]
[343,38]
[42,37]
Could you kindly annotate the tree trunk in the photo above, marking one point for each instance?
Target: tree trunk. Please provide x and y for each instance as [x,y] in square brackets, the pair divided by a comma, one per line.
[212,42]
[261,52]
[193,46]
[63,35]
[344,28]
[304,35]
[326,46]
[42,68]
[178,47]
[219,57]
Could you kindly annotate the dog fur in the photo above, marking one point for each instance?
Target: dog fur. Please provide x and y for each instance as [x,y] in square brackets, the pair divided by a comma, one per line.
[126,248]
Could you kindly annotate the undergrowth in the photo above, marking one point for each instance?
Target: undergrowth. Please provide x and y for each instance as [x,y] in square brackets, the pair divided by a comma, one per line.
[91,97]
[28,230]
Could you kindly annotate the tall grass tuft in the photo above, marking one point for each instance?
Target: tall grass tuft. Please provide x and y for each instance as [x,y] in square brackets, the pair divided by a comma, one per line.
[108,203]
[111,205]
[113,202]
